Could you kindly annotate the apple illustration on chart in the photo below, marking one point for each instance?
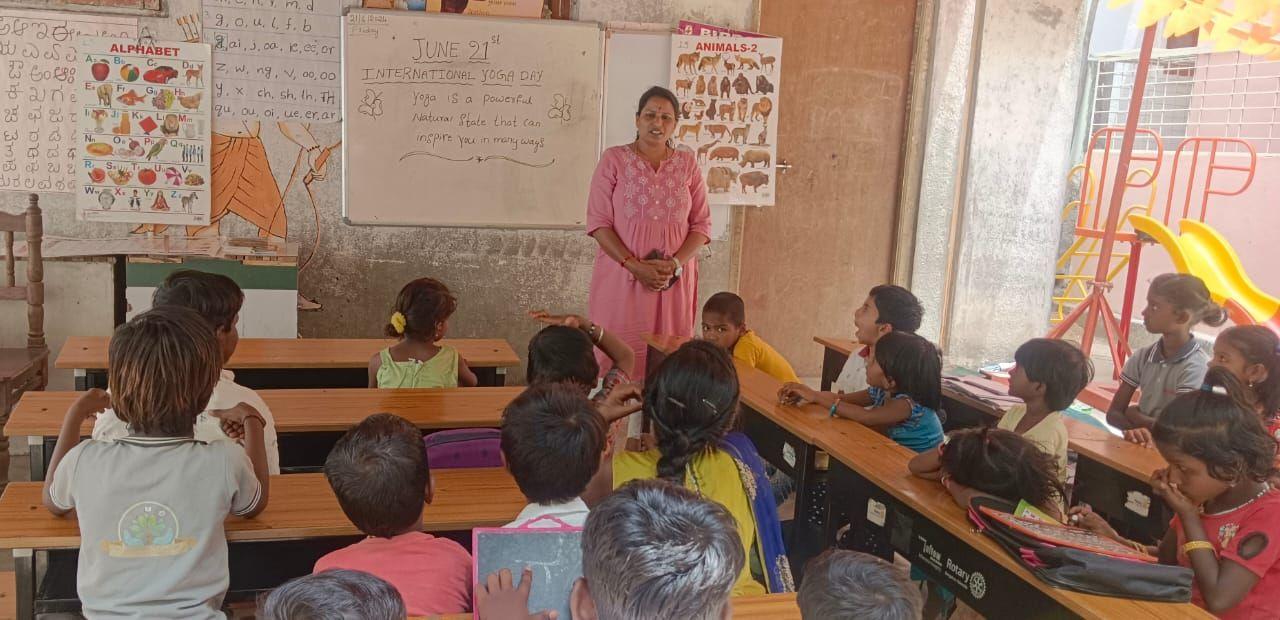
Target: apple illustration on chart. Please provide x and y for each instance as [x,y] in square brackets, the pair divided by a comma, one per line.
[100,70]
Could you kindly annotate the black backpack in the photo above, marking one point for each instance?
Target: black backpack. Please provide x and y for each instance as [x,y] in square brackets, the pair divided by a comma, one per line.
[1083,571]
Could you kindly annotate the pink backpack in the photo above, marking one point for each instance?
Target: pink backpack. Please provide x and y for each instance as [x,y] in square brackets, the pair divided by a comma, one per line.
[464,448]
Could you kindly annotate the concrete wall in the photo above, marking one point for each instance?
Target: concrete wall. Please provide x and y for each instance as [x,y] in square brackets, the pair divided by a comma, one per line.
[945,130]
[1029,66]
[497,274]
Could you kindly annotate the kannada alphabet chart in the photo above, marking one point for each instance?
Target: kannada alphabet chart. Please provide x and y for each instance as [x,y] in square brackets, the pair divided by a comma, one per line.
[728,89]
[143,143]
[39,91]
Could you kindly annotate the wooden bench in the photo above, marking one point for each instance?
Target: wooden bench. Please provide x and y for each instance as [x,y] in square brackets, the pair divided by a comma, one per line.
[262,363]
[308,421]
[301,510]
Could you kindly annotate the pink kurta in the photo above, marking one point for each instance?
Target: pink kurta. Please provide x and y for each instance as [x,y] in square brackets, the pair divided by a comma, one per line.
[649,210]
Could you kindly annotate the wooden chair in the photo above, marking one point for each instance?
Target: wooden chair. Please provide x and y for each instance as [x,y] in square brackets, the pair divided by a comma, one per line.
[22,369]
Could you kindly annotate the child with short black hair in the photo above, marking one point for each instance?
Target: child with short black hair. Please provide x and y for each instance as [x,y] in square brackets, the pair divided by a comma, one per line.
[151,505]
[650,550]
[1226,524]
[379,473]
[905,375]
[1176,302]
[553,440]
[848,585]
[420,320]
[1048,376]
[569,349]
[887,308]
[334,595]
[724,324]
[218,299]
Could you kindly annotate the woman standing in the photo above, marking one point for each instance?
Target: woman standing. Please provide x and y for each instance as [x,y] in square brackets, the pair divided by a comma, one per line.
[648,212]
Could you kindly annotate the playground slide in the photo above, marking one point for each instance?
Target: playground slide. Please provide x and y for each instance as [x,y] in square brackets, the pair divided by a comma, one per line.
[1204,253]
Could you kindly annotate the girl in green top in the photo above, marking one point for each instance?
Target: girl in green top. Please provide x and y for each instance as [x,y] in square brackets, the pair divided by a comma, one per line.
[420,320]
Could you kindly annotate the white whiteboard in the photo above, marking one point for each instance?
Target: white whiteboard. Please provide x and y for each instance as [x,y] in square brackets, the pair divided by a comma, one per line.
[634,61]
[453,120]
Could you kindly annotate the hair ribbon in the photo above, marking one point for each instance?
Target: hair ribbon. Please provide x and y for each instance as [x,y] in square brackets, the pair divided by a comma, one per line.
[398,322]
[1214,389]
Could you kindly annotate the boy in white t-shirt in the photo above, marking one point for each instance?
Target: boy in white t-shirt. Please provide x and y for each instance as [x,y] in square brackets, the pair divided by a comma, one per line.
[218,299]
[554,441]
[888,308]
[151,505]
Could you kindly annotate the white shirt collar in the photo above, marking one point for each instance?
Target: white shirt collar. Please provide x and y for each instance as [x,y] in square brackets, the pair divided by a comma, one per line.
[573,512]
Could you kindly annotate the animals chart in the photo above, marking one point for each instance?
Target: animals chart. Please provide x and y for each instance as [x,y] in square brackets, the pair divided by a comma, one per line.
[728,89]
[143,144]
[38,92]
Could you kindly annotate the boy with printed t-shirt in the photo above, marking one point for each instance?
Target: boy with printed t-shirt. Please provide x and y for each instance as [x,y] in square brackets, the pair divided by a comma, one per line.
[724,324]
[151,505]
[218,299]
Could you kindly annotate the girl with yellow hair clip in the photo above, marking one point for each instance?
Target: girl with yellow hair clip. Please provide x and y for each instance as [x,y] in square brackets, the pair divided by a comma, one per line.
[420,319]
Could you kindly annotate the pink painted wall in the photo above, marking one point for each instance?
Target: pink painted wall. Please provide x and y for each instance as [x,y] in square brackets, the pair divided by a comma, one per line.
[1250,222]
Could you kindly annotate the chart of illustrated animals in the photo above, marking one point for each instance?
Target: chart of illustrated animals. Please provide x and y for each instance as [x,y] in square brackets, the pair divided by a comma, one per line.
[728,88]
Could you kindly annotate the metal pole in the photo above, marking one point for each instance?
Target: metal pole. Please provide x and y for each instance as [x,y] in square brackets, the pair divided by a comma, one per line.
[1118,185]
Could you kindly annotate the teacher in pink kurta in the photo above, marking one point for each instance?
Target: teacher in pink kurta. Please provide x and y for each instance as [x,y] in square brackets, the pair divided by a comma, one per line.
[648,212]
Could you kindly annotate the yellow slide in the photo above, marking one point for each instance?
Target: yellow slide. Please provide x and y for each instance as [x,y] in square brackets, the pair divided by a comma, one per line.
[1202,252]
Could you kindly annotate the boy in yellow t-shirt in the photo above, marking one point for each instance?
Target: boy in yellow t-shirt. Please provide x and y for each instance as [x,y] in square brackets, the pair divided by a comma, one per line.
[724,324]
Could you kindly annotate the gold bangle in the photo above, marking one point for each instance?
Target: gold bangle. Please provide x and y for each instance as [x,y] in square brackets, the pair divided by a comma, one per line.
[1198,544]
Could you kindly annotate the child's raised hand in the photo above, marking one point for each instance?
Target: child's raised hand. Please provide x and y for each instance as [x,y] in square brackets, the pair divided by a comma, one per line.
[622,401]
[90,403]
[498,599]
[796,394]
[1171,494]
[568,320]
[233,419]
[1141,436]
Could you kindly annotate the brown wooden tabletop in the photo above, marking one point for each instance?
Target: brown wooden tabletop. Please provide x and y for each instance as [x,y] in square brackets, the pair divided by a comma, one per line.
[90,352]
[39,414]
[298,506]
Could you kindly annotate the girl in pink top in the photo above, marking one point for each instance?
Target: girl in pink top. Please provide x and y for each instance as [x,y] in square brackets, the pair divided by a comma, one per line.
[648,212]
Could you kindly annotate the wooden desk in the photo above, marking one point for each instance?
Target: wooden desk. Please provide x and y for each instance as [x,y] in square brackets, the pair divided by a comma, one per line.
[835,352]
[925,525]
[300,506]
[762,607]
[308,421]
[262,363]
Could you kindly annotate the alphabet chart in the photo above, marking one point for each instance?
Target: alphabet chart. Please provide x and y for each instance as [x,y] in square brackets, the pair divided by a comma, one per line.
[143,145]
